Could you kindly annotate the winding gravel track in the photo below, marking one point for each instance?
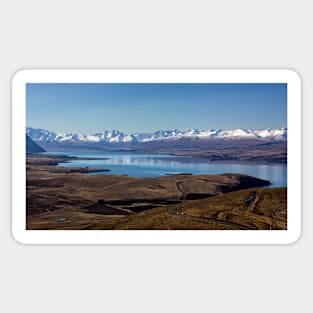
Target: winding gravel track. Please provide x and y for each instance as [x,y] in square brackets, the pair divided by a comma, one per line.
[210,220]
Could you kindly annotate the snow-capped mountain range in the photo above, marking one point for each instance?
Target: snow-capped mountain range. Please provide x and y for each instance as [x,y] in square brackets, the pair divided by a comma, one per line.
[117,137]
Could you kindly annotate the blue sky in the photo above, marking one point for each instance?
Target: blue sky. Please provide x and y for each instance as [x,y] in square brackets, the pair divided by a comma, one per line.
[90,108]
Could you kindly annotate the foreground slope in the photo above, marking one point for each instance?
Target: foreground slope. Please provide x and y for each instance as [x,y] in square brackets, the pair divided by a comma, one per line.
[252,209]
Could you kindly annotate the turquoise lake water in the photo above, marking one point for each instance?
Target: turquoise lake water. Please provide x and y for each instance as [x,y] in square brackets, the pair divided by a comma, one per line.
[156,165]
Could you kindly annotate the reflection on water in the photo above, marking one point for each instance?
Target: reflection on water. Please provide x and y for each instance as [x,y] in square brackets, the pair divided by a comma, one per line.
[156,165]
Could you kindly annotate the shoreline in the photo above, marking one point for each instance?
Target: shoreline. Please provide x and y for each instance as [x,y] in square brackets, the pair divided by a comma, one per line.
[66,158]
[55,160]
[93,170]
[186,154]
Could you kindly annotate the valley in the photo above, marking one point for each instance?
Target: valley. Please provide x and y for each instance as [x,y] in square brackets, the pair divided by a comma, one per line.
[68,198]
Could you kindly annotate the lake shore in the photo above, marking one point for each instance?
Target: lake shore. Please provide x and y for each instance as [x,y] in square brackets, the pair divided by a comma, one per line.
[157,165]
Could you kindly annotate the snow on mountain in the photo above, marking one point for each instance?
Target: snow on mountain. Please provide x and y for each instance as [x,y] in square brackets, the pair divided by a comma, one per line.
[272,133]
[163,134]
[43,135]
[115,136]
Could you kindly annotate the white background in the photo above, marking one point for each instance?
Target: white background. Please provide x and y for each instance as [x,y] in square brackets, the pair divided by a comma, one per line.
[155,34]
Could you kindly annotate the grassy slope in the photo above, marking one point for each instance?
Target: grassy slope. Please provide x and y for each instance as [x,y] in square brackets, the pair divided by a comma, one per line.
[227,211]
[231,211]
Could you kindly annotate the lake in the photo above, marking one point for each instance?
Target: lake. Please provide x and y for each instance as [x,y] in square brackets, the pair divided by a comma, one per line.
[156,165]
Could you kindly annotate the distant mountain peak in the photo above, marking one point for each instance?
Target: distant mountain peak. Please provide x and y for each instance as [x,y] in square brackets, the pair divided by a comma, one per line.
[113,137]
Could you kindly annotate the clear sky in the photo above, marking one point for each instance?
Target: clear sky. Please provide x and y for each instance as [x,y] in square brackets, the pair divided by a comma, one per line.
[91,108]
